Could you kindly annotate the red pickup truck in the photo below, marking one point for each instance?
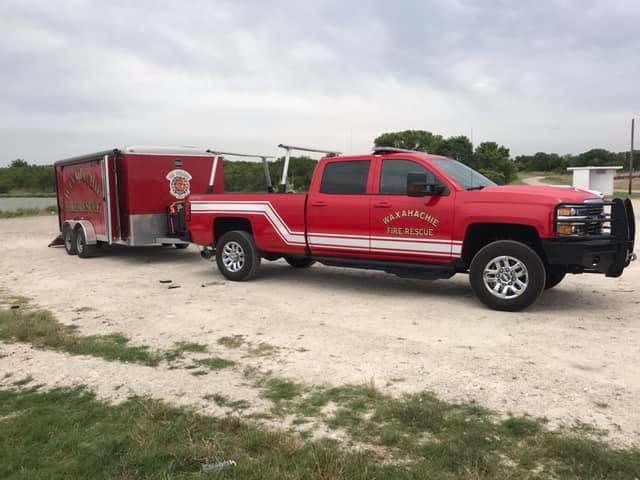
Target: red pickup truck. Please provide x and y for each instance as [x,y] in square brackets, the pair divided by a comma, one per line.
[420,216]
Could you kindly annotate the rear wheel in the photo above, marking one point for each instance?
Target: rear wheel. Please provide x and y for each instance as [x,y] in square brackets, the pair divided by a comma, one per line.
[299,262]
[555,274]
[237,257]
[69,238]
[84,250]
[507,275]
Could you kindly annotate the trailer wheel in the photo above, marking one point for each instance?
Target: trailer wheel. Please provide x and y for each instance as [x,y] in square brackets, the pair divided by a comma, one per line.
[181,246]
[507,275]
[69,237]
[299,262]
[237,257]
[84,250]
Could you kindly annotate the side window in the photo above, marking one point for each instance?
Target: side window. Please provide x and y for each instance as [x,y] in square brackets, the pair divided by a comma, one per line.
[393,175]
[345,177]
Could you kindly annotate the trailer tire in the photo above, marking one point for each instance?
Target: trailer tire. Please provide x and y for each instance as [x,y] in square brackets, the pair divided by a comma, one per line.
[69,238]
[181,246]
[507,275]
[84,250]
[299,262]
[237,257]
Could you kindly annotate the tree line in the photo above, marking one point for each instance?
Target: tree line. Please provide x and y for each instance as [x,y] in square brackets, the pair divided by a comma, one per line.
[239,176]
[493,160]
[489,158]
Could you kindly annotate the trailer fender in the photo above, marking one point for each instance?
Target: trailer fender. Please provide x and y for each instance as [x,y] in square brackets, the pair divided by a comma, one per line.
[89,232]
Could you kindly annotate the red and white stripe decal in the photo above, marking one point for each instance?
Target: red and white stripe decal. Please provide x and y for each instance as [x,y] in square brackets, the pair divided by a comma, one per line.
[431,247]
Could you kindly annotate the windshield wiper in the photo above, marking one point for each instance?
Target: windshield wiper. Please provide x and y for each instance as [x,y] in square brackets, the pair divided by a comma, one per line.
[479,187]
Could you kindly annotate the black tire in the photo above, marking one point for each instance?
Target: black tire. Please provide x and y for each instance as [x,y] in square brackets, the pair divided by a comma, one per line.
[555,274]
[299,262]
[513,299]
[181,246]
[84,250]
[69,238]
[246,264]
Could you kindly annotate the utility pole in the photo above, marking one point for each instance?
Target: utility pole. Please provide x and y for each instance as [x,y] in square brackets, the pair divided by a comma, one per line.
[633,124]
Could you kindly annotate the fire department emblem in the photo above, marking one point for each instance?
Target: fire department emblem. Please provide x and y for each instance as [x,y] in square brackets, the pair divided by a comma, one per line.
[179,183]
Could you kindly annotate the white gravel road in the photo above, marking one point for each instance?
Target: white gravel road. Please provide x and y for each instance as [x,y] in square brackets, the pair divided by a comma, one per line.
[575,355]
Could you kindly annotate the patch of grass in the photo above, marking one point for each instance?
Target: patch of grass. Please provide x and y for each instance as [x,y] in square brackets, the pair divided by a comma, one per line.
[263,349]
[28,212]
[180,348]
[214,363]
[557,179]
[25,193]
[41,329]
[232,341]
[143,438]
[23,381]
[223,401]
[199,373]
[625,194]
[279,389]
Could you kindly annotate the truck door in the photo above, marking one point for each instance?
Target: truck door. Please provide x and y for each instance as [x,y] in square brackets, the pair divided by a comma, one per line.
[417,229]
[338,209]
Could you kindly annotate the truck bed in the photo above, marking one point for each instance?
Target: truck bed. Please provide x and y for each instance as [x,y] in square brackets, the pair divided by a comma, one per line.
[277,219]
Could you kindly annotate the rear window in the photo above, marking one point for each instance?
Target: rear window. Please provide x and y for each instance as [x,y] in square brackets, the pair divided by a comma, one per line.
[345,177]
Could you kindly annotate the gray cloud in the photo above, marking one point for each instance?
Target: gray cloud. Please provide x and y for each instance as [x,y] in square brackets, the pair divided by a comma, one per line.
[79,76]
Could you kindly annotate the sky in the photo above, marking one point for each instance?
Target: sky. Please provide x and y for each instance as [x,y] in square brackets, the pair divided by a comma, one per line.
[82,76]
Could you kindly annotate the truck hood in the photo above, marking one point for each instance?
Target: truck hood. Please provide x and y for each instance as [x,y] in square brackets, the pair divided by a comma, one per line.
[529,194]
[547,194]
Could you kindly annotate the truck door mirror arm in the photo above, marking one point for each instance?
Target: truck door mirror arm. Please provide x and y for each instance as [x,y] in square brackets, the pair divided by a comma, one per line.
[418,185]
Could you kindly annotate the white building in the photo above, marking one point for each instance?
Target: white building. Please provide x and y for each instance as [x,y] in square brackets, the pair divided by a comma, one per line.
[595,178]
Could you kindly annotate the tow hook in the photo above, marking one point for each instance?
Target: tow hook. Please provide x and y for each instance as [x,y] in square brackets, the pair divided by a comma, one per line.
[207,253]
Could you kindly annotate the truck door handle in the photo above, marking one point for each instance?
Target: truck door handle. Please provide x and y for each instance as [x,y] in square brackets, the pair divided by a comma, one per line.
[318,203]
[382,205]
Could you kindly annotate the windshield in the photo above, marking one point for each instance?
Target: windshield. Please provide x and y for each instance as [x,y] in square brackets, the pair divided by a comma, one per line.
[465,176]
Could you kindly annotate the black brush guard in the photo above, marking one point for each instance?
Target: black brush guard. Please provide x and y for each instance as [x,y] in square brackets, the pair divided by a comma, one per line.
[609,253]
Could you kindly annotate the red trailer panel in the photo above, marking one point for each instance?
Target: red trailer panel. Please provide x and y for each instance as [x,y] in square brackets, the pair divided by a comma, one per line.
[123,195]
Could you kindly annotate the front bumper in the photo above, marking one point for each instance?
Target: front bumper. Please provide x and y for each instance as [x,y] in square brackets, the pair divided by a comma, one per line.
[608,254]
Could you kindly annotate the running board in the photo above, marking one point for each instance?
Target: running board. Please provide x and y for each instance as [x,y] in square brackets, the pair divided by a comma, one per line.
[402,269]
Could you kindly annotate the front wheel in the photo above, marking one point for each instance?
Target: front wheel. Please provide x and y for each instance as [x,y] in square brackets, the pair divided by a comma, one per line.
[299,262]
[507,275]
[237,257]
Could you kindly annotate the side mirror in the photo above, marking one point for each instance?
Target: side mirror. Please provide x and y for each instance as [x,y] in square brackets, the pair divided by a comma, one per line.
[418,185]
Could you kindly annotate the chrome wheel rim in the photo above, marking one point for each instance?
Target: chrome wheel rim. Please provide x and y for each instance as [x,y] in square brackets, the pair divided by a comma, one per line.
[79,244]
[233,256]
[506,277]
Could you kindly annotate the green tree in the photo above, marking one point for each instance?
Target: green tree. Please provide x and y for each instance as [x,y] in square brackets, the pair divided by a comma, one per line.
[18,163]
[420,140]
[458,148]
[493,161]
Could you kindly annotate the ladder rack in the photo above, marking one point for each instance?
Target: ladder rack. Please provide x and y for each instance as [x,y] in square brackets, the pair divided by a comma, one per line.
[288,148]
[217,154]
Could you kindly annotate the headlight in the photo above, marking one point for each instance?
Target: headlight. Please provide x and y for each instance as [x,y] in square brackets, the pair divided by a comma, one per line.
[567,211]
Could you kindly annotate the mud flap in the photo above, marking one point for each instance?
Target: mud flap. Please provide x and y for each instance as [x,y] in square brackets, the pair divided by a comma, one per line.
[57,242]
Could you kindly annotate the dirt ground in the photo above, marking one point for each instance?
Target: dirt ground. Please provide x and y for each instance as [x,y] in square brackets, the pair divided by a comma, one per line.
[574,356]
